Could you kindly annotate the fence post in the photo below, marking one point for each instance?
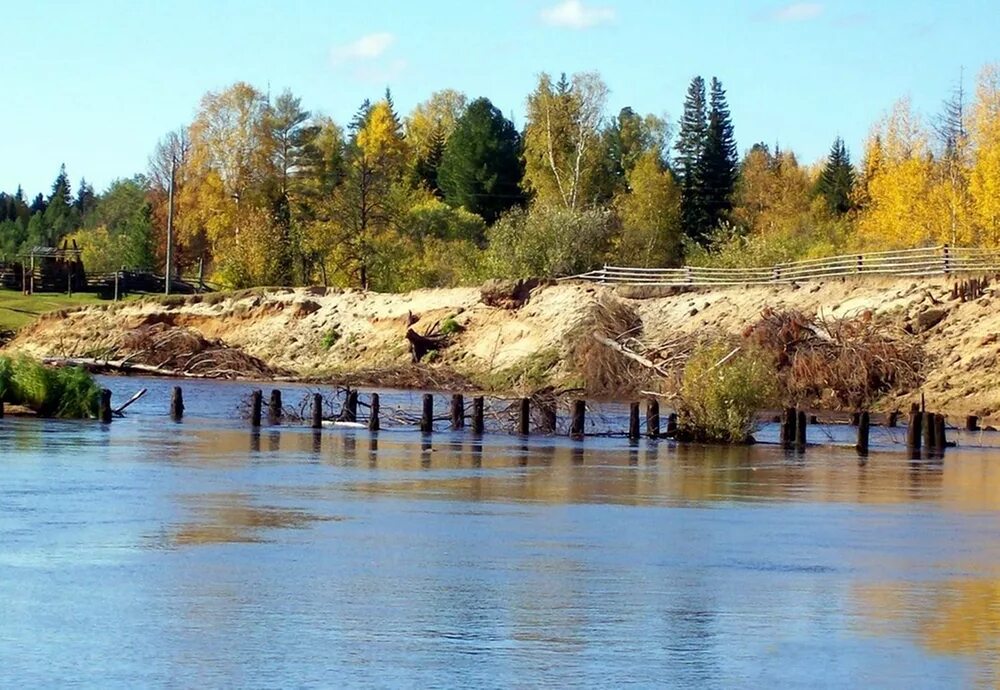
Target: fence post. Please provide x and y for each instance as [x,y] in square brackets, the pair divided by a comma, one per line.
[688,278]
[653,418]
[946,259]
[457,412]
[373,421]
[861,262]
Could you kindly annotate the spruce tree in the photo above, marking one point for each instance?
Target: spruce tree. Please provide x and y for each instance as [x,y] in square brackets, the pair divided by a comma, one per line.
[719,162]
[691,141]
[427,164]
[837,179]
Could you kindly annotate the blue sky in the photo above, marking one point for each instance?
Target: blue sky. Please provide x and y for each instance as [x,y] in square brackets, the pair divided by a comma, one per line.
[95,84]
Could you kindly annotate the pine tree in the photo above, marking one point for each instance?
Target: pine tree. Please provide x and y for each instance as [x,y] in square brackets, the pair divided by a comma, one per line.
[691,140]
[426,167]
[85,198]
[719,162]
[836,182]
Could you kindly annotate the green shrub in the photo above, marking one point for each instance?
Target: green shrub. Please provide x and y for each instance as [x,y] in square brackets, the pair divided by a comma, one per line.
[330,338]
[450,326]
[67,392]
[719,402]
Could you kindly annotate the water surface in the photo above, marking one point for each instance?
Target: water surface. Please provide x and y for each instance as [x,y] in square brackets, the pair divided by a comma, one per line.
[151,553]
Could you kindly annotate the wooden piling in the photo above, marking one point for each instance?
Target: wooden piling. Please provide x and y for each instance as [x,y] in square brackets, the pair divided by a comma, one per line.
[427,418]
[672,425]
[351,406]
[913,431]
[177,404]
[972,423]
[548,412]
[478,423]
[653,418]
[789,419]
[256,402]
[800,430]
[1,408]
[105,408]
[578,419]
[940,434]
[893,421]
[457,412]
[274,407]
[930,429]
[524,417]
[864,422]
[633,422]
[317,417]
[374,424]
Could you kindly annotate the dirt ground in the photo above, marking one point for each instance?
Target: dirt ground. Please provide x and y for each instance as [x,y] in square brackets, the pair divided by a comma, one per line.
[325,333]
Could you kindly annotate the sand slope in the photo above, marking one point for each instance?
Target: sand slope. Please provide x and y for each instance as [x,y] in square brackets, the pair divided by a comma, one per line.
[291,328]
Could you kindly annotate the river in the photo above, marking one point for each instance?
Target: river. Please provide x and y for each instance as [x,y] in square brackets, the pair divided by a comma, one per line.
[150,553]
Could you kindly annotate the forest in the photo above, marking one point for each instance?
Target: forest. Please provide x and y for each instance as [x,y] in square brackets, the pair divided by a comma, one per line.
[268,193]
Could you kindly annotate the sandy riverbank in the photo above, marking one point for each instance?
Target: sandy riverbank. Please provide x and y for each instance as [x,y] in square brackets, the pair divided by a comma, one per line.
[325,333]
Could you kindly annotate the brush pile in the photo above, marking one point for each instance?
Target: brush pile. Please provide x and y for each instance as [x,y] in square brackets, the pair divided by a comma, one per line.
[837,363]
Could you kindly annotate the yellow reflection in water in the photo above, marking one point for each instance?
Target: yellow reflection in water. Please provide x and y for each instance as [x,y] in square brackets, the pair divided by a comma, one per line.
[955,616]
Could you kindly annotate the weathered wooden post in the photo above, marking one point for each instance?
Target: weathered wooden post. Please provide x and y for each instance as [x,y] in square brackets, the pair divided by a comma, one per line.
[972,423]
[913,430]
[893,421]
[653,418]
[256,402]
[672,425]
[373,408]
[105,408]
[940,433]
[930,429]
[788,427]
[855,418]
[427,418]
[478,423]
[1,408]
[317,416]
[548,412]
[578,419]
[863,428]
[177,404]
[457,412]
[800,430]
[633,422]
[274,407]
[524,417]
[351,406]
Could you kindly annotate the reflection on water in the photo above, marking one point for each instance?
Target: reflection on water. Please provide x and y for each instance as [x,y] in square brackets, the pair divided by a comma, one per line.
[207,554]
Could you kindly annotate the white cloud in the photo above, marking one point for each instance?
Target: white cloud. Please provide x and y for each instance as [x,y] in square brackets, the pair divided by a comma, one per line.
[797,12]
[369,47]
[573,14]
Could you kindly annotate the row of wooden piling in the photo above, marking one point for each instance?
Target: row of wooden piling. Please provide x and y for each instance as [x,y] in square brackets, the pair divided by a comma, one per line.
[926,430]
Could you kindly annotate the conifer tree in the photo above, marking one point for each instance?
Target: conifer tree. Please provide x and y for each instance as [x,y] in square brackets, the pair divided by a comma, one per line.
[691,140]
[719,161]
[836,182]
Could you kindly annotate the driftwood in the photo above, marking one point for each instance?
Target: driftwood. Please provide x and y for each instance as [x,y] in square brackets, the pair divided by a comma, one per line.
[123,365]
[128,402]
[420,345]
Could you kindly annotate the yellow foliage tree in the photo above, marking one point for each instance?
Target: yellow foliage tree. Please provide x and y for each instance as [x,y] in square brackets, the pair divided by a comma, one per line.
[984,182]
[649,212]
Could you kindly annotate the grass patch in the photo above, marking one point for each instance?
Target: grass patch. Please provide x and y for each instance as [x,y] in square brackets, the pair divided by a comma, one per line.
[450,326]
[330,338]
[18,310]
[68,392]
[530,374]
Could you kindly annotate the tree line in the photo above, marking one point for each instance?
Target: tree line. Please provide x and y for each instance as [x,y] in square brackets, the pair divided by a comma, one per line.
[268,193]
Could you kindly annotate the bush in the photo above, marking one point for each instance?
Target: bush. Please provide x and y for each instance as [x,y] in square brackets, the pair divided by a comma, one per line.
[719,402]
[330,338]
[450,326]
[67,392]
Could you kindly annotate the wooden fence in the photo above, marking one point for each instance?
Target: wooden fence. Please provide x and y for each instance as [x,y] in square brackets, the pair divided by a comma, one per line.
[924,262]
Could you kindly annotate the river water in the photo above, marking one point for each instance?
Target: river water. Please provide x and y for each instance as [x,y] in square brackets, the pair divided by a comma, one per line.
[198,554]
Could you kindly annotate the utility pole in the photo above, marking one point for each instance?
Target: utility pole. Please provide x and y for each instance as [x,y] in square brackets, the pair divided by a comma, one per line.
[170,229]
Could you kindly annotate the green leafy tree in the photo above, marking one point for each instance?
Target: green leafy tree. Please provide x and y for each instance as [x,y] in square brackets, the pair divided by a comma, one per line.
[480,169]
